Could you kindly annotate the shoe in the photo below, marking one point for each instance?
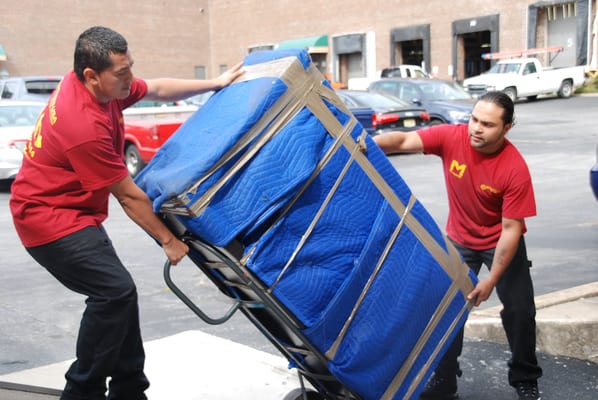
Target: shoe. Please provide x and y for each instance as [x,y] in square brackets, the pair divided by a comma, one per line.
[527,390]
[440,388]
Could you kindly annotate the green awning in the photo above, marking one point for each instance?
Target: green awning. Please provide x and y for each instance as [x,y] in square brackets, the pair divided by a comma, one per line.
[313,44]
[2,54]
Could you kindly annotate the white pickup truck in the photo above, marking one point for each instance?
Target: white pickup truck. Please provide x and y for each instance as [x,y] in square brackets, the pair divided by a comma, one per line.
[525,77]
[398,71]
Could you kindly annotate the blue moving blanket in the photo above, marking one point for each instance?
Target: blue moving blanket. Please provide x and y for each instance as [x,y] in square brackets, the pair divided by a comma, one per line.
[276,162]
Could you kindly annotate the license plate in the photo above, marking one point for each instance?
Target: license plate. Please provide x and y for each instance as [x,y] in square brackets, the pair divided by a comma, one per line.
[409,123]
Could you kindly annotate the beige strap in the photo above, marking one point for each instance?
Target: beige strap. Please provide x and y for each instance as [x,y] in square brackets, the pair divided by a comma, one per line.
[305,89]
[421,342]
[331,353]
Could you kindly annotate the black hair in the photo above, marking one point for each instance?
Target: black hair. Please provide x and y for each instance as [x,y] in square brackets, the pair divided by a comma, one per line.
[504,102]
[93,49]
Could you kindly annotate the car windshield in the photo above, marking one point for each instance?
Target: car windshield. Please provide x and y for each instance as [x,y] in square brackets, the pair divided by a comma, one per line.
[508,68]
[19,115]
[435,90]
[374,100]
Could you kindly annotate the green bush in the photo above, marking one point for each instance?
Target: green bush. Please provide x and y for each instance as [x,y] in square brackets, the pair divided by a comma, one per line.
[591,85]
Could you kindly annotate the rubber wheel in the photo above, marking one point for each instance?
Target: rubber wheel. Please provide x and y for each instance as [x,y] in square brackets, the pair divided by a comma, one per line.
[297,394]
[133,160]
[566,89]
[511,92]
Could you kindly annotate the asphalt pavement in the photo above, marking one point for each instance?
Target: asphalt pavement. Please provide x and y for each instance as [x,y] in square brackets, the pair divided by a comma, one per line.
[194,365]
[557,137]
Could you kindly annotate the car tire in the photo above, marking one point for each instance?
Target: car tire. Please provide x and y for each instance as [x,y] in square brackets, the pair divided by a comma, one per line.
[133,160]
[566,89]
[511,92]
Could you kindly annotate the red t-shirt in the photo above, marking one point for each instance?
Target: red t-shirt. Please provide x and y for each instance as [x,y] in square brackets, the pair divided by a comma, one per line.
[481,188]
[75,153]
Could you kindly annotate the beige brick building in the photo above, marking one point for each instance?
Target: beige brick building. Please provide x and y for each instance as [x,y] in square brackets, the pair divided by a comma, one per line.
[347,39]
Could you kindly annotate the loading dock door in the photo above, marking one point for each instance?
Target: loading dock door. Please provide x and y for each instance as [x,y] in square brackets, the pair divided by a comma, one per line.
[471,38]
[474,45]
[411,45]
[410,52]
[562,28]
[349,52]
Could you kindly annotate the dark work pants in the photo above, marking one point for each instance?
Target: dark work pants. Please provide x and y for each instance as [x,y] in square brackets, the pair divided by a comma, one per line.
[109,343]
[516,293]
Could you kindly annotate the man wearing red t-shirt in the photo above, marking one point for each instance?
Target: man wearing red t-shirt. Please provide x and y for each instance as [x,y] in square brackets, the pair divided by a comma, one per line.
[59,200]
[490,194]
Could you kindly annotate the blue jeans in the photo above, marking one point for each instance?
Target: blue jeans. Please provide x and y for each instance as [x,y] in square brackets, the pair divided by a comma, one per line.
[109,343]
[516,293]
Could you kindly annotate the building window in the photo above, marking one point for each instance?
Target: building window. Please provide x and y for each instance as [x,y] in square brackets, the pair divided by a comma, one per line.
[262,47]
[200,72]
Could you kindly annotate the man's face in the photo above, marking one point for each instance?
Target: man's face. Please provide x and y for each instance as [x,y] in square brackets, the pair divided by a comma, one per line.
[486,128]
[115,82]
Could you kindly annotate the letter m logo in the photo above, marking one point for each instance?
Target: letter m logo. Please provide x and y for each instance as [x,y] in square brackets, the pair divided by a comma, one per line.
[457,169]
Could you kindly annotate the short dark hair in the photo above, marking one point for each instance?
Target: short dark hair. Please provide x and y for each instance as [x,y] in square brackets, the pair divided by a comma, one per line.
[93,49]
[504,102]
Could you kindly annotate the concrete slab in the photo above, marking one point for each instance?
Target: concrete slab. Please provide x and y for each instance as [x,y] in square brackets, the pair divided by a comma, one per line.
[193,365]
[566,323]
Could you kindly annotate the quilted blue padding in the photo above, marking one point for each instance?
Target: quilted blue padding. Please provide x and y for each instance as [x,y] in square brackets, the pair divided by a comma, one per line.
[208,134]
[321,285]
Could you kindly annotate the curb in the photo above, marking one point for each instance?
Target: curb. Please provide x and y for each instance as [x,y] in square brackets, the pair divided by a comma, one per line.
[566,323]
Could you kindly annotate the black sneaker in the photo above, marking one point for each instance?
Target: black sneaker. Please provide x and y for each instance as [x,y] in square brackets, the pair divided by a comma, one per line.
[527,390]
[440,388]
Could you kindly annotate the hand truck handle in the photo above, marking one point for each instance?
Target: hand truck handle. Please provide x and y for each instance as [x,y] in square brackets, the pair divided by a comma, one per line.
[179,293]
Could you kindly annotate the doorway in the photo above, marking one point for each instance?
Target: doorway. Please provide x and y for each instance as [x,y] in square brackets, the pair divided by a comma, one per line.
[410,52]
[473,37]
[411,45]
[474,45]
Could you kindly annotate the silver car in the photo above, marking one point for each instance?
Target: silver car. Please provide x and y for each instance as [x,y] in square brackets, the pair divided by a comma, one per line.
[17,120]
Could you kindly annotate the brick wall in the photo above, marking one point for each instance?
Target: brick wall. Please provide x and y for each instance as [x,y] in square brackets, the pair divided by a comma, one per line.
[166,38]
[170,38]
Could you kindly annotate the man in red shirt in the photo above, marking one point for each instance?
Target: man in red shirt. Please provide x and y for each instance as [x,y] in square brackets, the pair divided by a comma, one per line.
[59,200]
[490,194]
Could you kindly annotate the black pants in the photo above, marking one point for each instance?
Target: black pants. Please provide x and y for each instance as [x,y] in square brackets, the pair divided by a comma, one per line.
[516,293]
[109,343]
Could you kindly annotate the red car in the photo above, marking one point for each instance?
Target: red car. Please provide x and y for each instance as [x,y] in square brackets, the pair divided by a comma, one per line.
[146,129]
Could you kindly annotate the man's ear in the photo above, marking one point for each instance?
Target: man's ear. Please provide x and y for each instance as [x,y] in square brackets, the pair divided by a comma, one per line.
[90,76]
[508,127]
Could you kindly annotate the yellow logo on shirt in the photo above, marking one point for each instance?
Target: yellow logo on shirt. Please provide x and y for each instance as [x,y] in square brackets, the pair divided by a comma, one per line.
[489,188]
[36,138]
[457,169]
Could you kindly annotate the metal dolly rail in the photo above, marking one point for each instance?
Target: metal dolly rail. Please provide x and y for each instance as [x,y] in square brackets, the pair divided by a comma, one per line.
[252,298]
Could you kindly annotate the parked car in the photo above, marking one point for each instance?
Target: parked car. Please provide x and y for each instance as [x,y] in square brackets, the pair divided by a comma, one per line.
[396,71]
[594,176]
[445,100]
[404,71]
[145,136]
[158,111]
[17,120]
[34,88]
[378,112]
[526,77]
[199,99]
[156,103]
